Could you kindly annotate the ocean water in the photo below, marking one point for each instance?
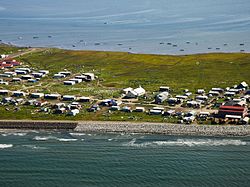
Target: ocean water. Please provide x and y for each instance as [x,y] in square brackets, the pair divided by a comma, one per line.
[138,26]
[59,158]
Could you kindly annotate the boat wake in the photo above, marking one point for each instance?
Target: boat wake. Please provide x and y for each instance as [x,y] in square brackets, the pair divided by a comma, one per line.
[4,146]
[188,143]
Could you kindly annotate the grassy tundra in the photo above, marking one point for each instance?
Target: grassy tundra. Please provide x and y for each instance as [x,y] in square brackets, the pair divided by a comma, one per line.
[117,70]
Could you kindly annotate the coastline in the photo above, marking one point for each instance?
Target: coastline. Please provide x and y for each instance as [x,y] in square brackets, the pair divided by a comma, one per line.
[128,127]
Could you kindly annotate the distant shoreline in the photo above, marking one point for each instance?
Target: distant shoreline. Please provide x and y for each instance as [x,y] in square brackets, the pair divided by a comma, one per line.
[128,127]
[120,51]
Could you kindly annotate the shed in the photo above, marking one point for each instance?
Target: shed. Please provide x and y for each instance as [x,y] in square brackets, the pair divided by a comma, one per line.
[69,97]
[52,96]
[69,83]
[37,95]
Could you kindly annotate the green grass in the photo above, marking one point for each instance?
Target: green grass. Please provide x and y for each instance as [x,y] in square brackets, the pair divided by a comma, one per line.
[118,69]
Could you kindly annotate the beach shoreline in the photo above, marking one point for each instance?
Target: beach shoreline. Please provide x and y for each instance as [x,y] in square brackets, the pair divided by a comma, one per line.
[128,127]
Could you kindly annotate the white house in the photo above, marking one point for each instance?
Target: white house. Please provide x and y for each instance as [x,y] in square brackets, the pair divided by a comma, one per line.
[135,93]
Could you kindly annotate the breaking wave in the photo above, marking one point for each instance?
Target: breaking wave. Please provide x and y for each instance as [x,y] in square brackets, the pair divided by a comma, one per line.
[44,138]
[4,146]
[15,134]
[188,143]
[77,134]
[66,139]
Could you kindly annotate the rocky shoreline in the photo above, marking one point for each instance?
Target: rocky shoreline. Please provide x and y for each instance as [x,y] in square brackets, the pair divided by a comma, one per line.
[129,127]
[163,128]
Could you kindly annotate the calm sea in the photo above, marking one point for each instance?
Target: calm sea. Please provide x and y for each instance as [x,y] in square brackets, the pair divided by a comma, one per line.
[139,26]
[40,158]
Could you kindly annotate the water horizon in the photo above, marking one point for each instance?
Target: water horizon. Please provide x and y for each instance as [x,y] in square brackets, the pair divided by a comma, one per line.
[148,27]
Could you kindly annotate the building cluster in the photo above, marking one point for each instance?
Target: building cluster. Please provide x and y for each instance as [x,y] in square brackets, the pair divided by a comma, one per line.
[219,105]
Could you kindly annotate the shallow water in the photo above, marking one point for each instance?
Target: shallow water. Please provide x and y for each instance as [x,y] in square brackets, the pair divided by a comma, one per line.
[139,26]
[41,158]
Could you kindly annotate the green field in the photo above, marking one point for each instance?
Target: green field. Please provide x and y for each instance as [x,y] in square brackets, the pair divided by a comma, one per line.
[117,70]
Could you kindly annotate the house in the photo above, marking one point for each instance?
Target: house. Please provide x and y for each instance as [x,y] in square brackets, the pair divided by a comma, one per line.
[59,105]
[20,72]
[136,93]
[126,109]
[74,105]
[232,110]
[69,98]
[229,94]
[173,101]
[73,112]
[40,103]
[164,89]
[7,99]
[115,108]
[93,108]
[242,85]
[66,73]
[181,97]
[89,76]
[161,97]
[26,77]
[126,90]
[76,80]
[28,70]
[193,104]
[4,82]
[60,110]
[214,93]
[59,76]
[155,112]
[5,75]
[200,91]
[45,72]
[4,92]
[169,113]
[52,96]
[82,77]
[37,95]
[16,79]
[18,94]
[201,97]
[139,109]
[84,99]
[69,83]
[220,90]
[11,73]
[38,75]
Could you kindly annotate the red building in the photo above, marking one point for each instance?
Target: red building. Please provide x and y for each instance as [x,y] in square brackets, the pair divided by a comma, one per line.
[232,110]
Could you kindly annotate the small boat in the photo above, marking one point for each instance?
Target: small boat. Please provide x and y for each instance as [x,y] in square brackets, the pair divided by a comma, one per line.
[209,48]
[187,42]
[242,50]
[129,48]
[161,43]
[242,44]
[35,37]
[97,43]
[169,43]
[174,45]
[217,48]
[49,36]
[225,44]
[119,44]
[73,46]
[181,49]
